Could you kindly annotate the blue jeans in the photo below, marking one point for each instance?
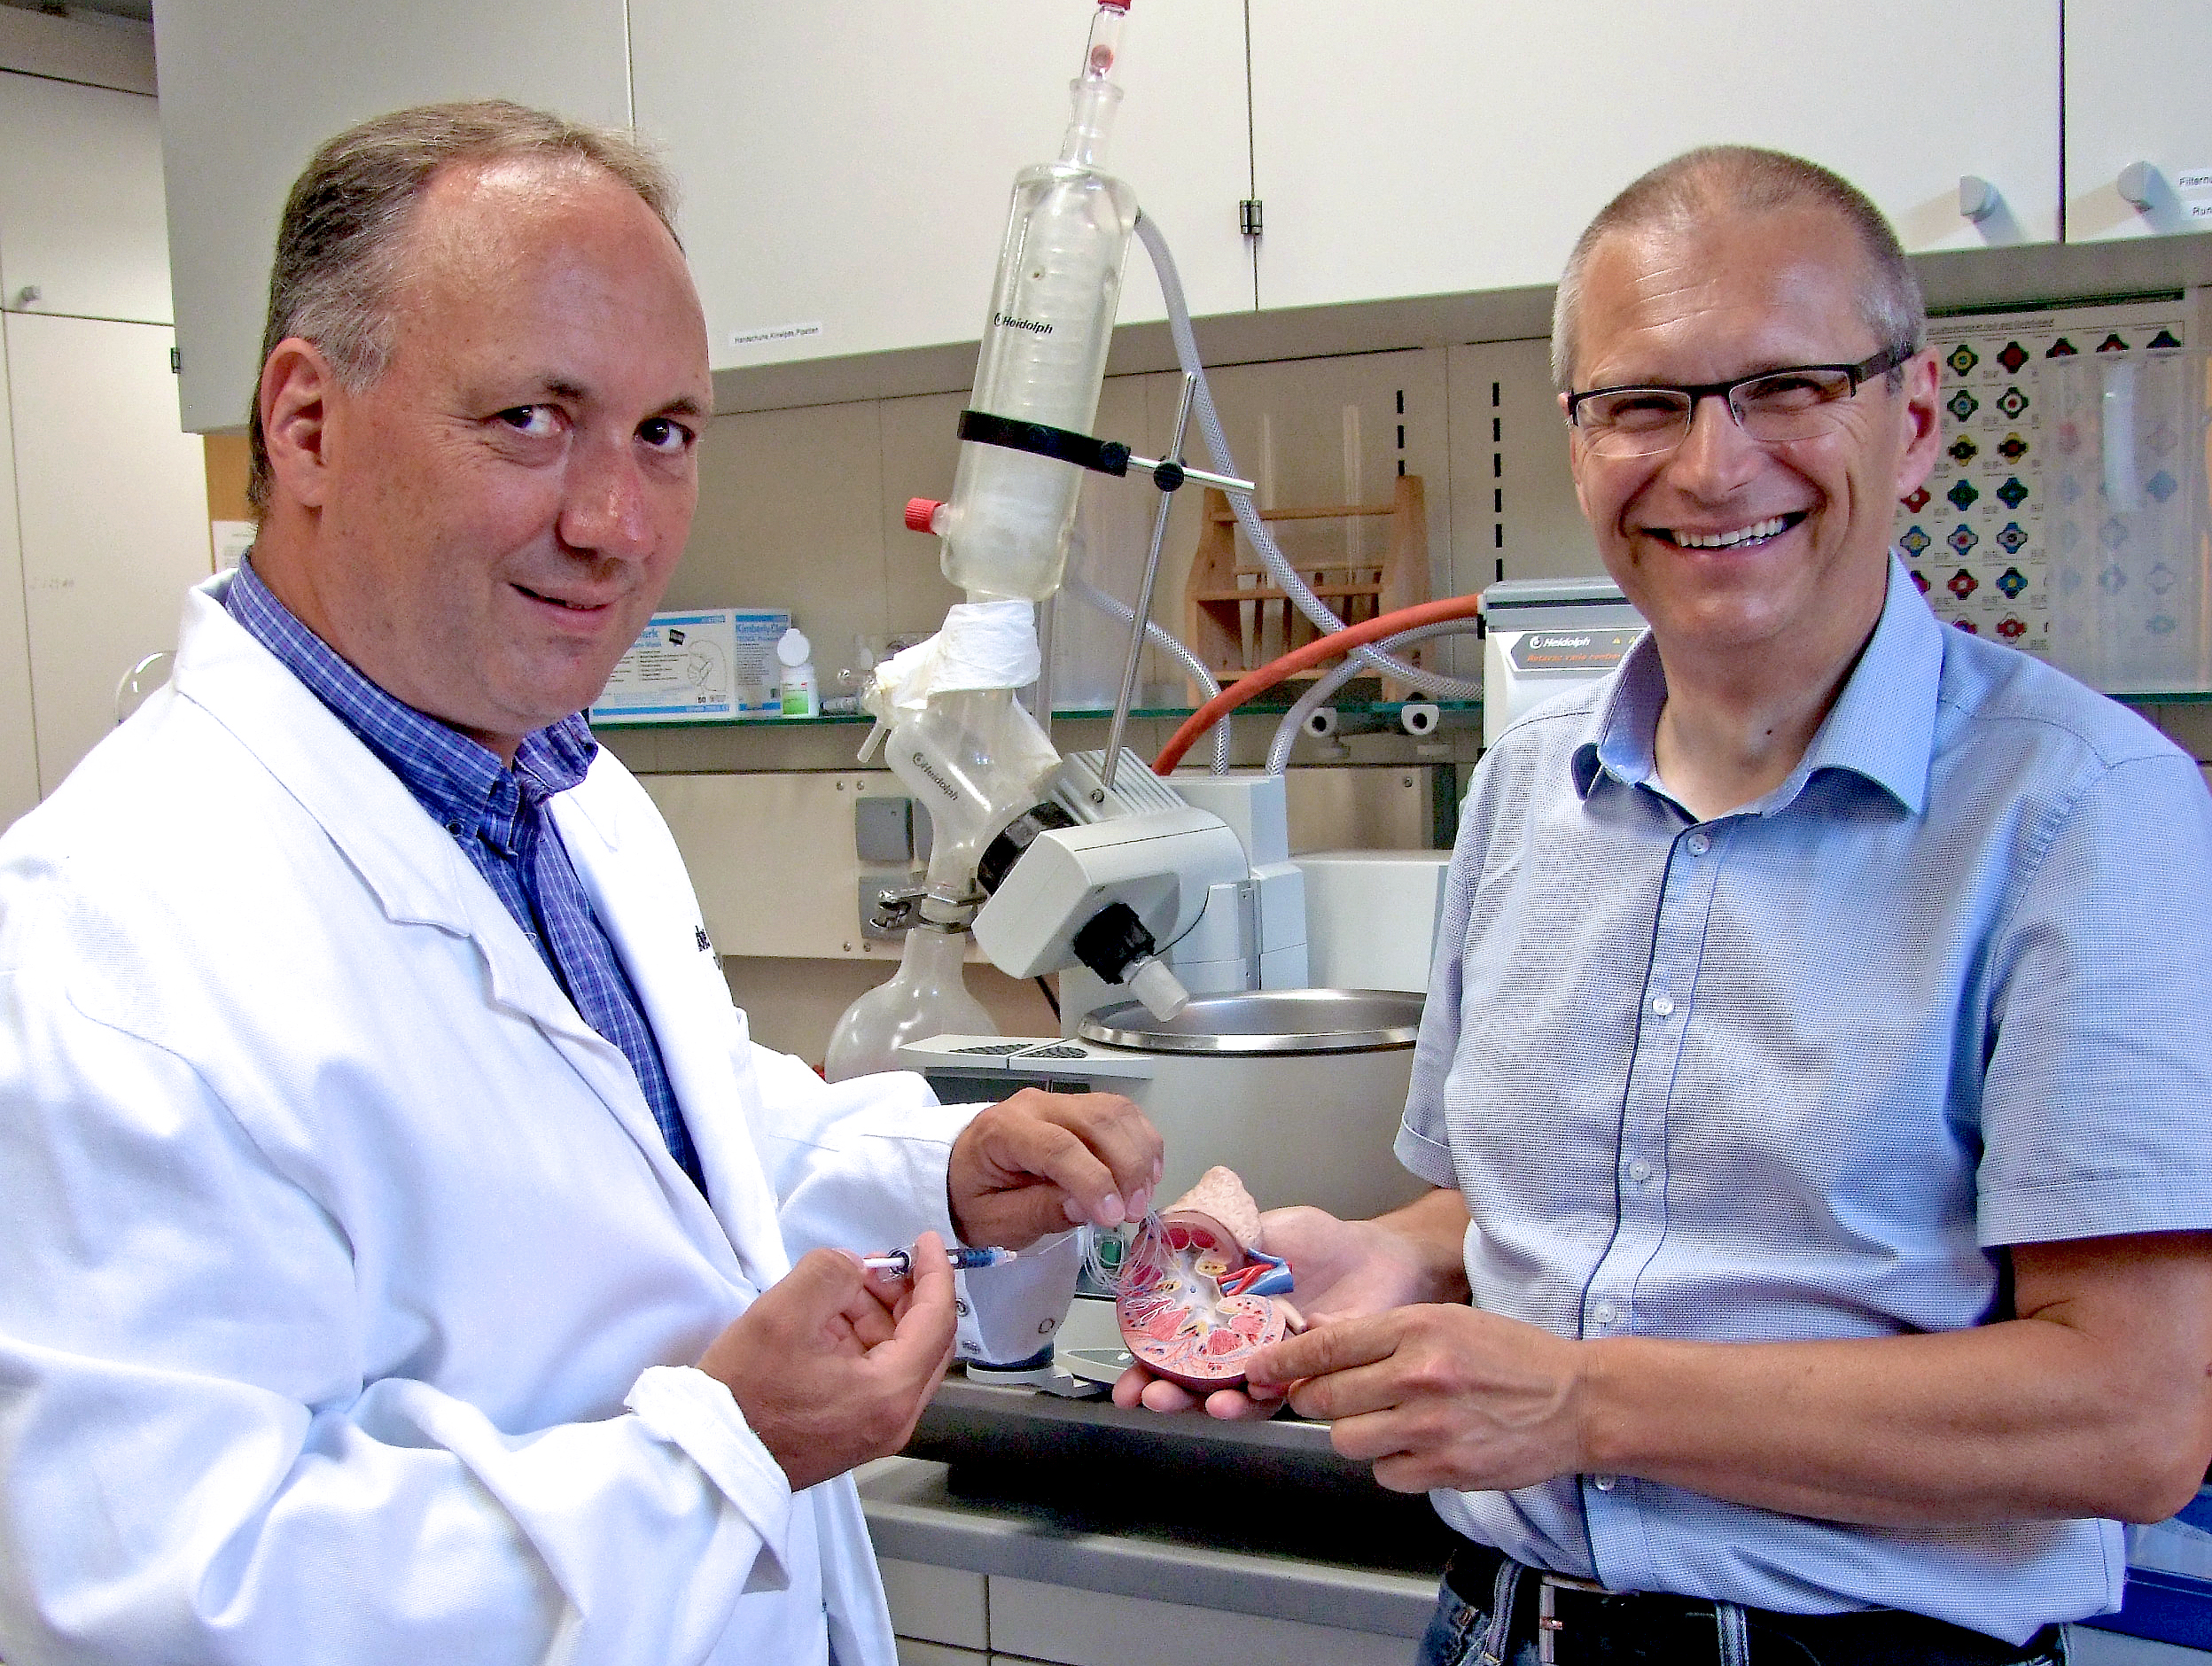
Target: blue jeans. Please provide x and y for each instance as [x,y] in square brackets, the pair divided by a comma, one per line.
[1458,1634]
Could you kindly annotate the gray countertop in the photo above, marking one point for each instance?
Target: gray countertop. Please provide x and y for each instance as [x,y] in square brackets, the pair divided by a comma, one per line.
[1167,1509]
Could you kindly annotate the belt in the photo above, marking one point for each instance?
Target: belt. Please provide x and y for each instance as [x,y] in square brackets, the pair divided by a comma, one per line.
[1572,1620]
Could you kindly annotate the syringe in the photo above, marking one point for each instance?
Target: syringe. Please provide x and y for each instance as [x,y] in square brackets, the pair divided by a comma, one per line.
[902,1261]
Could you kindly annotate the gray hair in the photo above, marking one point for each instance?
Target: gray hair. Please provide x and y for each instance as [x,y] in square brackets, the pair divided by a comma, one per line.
[1725,178]
[341,242]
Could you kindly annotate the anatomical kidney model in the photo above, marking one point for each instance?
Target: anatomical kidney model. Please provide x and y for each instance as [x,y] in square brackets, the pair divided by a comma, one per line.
[1195,1295]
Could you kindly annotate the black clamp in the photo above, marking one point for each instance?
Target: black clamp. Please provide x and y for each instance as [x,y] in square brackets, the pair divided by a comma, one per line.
[1101,456]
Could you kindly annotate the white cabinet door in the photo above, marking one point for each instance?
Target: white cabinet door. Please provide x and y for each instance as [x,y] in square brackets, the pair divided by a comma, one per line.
[81,218]
[912,1653]
[114,507]
[1412,147]
[1091,1628]
[2135,92]
[19,742]
[250,88]
[936,1605]
[846,167]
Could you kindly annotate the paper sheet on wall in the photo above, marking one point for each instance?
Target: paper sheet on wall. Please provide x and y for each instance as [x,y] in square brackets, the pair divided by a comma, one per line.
[1978,533]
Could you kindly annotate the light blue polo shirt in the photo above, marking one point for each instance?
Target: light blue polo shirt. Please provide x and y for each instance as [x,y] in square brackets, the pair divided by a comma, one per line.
[1796,1072]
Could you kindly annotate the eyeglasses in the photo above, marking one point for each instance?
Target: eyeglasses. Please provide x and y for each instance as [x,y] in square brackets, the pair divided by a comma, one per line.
[1799,402]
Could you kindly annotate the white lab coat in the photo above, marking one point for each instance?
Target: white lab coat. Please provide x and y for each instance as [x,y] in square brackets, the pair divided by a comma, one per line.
[346,1288]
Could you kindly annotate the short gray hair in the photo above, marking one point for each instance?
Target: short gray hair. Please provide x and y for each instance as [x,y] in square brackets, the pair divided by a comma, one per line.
[1737,178]
[342,238]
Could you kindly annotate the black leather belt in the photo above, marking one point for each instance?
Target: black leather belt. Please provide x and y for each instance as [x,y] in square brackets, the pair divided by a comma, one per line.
[1572,1620]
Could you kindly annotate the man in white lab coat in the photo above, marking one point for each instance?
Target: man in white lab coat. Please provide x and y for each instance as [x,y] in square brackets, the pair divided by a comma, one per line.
[1814,1069]
[397,1256]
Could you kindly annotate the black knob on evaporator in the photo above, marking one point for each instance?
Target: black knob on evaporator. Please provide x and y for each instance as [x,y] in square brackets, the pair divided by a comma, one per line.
[1112,941]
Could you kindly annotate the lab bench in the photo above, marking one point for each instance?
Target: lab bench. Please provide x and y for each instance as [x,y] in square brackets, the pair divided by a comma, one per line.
[1079,1533]
[1023,1527]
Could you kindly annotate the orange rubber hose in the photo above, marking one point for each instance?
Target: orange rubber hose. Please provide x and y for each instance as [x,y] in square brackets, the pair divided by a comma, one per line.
[1254,684]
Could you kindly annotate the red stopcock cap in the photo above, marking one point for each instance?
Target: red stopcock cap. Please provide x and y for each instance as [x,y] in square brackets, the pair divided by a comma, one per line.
[920,512]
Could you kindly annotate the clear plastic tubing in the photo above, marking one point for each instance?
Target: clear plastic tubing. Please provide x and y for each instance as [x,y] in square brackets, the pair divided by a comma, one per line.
[1044,345]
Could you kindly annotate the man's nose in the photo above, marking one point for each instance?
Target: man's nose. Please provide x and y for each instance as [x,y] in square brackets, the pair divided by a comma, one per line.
[1716,457]
[605,506]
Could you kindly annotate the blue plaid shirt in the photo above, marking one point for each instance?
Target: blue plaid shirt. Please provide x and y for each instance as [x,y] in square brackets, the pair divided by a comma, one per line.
[496,815]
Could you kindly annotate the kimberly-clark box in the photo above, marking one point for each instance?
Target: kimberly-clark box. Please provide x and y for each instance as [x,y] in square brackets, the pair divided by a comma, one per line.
[708,667]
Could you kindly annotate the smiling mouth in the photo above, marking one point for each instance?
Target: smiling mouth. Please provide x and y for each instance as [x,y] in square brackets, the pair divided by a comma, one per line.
[555,601]
[1741,537]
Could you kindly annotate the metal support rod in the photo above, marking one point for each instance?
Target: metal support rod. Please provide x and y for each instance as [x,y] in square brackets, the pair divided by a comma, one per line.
[1048,621]
[1180,472]
[1144,597]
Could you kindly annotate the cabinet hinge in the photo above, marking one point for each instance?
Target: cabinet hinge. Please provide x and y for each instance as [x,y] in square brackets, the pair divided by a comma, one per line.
[1248,216]
[176,363]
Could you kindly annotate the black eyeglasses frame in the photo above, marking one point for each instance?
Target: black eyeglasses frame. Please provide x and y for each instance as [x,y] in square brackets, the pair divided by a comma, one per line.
[1864,372]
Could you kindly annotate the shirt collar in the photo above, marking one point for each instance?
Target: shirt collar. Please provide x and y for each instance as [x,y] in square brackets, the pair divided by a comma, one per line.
[1882,726]
[1620,737]
[458,781]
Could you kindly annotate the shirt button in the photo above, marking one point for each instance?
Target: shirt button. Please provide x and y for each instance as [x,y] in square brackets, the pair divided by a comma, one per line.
[1639,1170]
[1604,1483]
[1605,1313]
[1699,844]
[1664,1005]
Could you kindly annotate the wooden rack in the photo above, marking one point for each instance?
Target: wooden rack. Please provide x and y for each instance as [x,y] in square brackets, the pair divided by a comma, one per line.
[1230,610]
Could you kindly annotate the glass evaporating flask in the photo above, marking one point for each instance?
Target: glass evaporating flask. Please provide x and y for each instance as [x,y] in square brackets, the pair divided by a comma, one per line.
[928,997]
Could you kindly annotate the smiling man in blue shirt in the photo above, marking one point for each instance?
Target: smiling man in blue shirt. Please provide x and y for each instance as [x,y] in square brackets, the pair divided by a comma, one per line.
[1813,1074]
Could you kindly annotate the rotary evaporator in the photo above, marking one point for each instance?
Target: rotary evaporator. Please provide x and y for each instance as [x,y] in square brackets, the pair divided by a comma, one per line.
[1137,890]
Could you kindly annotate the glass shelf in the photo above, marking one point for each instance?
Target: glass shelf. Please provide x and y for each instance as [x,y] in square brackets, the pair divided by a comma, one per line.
[1148,713]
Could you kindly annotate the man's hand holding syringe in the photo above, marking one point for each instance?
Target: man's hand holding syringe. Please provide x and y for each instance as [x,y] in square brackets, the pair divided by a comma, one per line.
[832,1365]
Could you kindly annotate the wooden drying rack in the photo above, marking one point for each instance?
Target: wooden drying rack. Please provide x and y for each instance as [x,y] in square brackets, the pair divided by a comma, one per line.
[1228,607]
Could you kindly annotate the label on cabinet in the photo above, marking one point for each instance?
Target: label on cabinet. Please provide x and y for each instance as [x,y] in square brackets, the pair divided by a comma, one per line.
[2193,186]
[774,335]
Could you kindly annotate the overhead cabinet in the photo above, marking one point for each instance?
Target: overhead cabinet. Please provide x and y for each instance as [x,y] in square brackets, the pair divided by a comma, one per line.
[844,168]
[847,168]
[82,230]
[250,88]
[2138,150]
[1415,147]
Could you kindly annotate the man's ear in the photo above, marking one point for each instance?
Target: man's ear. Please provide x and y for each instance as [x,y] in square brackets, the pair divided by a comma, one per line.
[1923,430]
[296,387]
